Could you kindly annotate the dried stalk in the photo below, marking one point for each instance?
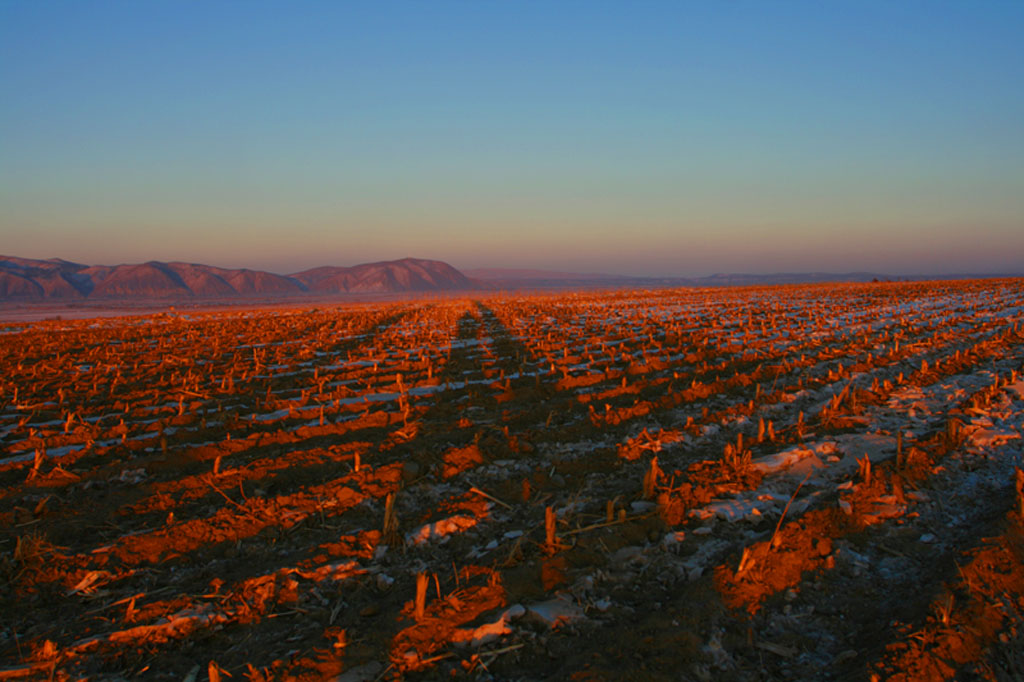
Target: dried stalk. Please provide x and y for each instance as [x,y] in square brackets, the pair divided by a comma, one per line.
[782,518]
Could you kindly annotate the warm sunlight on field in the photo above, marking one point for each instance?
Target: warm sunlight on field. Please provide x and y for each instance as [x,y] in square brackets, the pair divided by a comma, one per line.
[755,483]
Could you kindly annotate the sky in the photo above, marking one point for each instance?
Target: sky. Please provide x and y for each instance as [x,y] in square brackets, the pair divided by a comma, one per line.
[646,138]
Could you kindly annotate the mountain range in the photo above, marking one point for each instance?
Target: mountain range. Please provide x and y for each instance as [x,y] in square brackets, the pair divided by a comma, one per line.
[26,279]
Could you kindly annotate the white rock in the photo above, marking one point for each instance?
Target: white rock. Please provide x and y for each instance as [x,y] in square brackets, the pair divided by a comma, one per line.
[799,459]
[556,612]
[489,632]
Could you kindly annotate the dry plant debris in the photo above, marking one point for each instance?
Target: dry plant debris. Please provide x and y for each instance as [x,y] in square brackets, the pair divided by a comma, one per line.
[811,482]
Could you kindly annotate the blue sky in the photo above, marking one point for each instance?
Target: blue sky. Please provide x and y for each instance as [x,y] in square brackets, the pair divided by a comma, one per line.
[663,138]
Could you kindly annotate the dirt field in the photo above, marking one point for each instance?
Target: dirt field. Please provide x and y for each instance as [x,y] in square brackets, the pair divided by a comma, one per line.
[780,483]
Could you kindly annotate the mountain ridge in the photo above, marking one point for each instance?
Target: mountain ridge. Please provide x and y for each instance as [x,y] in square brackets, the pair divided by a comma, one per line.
[55,279]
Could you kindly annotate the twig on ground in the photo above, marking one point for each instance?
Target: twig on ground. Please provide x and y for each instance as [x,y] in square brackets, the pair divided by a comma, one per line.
[492,498]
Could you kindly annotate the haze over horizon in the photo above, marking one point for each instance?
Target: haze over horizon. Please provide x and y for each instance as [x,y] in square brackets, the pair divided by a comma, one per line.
[655,139]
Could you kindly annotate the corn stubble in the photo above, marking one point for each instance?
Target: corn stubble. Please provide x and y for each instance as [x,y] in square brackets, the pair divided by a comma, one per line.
[166,477]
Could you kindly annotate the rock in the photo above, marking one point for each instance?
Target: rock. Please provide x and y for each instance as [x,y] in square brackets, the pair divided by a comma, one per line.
[628,555]
[489,632]
[555,612]
[411,470]
[361,673]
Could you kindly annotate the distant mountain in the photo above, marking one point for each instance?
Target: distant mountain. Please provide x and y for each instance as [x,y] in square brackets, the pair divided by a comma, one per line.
[53,280]
[408,274]
[25,279]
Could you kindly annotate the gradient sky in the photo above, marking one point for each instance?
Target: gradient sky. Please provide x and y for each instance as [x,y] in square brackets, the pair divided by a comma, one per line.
[660,138]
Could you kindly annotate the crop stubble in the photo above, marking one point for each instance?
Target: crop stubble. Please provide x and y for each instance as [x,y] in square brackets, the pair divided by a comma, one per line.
[758,483]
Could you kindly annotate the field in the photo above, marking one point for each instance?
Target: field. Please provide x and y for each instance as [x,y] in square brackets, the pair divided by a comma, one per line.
[815,482]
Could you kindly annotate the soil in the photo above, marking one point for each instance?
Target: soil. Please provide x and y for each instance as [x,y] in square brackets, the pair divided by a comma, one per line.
[809,482]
